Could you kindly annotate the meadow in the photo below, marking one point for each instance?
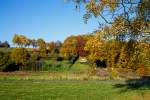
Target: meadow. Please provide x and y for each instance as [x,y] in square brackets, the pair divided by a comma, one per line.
[39,86]
[54,56]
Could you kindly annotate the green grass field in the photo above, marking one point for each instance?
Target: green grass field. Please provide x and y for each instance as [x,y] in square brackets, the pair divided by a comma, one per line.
[16,87]
[66,66]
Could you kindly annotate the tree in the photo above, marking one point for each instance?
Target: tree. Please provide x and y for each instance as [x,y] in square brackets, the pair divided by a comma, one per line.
[93,47]
[58,46]
[33,43]
[115,8]
[74,46]
[42,47]
[27,42]
[124,23]
[81,41]
[68,48]
[24,40]
[51,47]
[144,55]
[5,44]
[21,40]
[123,58]
[16,40]
[4,57]
[129,18]
[20,55]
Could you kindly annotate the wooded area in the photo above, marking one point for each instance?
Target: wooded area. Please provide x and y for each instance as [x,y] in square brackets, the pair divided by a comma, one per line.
[122,40]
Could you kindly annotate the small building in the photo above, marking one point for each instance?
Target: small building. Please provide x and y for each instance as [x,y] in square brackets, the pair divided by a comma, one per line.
[83,60]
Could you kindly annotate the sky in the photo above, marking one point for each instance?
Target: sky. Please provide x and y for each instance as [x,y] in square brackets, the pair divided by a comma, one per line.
[51,20]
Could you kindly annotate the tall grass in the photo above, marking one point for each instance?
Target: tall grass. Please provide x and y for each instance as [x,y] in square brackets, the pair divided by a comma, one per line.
[53,75]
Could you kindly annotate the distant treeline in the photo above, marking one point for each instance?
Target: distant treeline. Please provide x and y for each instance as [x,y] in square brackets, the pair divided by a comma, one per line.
[4,44]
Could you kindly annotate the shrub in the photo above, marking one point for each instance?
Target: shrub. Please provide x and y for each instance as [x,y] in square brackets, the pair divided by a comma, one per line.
[55,67]
[114,74]
[142,70]
[59,58]
[20,56]
[4,57]
[34,56]
[6,64]
[10,66]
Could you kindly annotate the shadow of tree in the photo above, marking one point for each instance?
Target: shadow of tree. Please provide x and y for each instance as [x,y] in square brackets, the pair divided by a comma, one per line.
[142,83]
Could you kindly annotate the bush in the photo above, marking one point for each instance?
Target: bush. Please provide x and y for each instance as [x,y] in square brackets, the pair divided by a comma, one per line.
[4,57]
[59,58]
[35,57]
[20,55]
[114,74]
[10,66]
[142,70]
[6,64]
[53,67]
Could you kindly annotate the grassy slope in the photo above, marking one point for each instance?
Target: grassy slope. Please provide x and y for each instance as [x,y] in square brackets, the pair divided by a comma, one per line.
[67,90]
[77,66]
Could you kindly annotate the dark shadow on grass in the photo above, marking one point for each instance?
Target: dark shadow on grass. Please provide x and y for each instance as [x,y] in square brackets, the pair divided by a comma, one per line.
[142,83]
